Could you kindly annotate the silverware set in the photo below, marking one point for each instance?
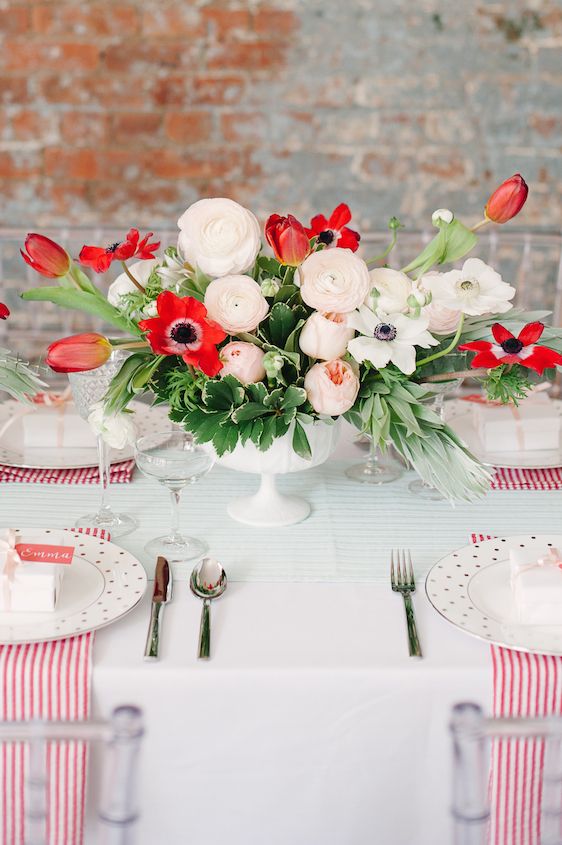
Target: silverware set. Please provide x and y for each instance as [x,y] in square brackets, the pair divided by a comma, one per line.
[403,581]
[208,581]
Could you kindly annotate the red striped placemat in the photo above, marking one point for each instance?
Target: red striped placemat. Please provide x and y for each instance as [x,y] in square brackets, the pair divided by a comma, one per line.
[524,685]
[120,473]
[527,479]
[46,681]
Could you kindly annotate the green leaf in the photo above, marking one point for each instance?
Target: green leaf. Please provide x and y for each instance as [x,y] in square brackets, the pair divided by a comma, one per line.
[286,293]
[80,278]
[204,426]
[249,411]
[294,396]
[225,439]
[300,442]
[275,398]
[452,242]
[222,394]
[82,301]
[270,265]
[282,322]
[268,432]
[257,392]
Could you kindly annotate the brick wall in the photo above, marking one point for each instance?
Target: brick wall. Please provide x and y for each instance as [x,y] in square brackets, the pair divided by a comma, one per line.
[126,112]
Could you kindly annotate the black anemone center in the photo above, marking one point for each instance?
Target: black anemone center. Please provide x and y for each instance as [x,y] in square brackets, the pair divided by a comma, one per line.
[326,237]
[384,331]
[512,346]
[184,333]
[112,247]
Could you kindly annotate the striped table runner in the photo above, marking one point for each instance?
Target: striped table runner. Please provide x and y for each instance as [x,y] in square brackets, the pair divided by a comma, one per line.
[527,479]
[46,681]
[120,473]
[524,685]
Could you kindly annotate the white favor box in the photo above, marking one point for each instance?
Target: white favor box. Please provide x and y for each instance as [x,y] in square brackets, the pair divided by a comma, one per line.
[33,587]
[533,425]
[55,427]
[537,590]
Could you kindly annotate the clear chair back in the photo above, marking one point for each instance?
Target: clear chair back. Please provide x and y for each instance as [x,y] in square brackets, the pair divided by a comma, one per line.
[471,736]
[120,737]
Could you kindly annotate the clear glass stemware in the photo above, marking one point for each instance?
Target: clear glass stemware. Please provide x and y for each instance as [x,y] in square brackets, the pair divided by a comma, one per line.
[377,469]
[88,388]
[174,459]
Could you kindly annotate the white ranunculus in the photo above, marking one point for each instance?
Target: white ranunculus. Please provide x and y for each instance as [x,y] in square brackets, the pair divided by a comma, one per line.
[392,338]
[334,280]
[325,336]
[236,303]
[117,430]
[390,290]
[219,236]
[476,289]
[441,320]
[122,285]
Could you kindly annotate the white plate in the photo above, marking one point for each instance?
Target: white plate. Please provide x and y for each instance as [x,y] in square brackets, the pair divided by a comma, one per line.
[102,583]
[147,420]
[458,414]
[470,588]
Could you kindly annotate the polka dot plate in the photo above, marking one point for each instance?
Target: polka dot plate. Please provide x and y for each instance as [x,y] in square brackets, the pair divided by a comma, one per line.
[148,420]
[458,414]
[101,585]
[471,589]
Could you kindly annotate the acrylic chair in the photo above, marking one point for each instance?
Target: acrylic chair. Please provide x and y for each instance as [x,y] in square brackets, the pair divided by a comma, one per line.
[471,734]
[120,737]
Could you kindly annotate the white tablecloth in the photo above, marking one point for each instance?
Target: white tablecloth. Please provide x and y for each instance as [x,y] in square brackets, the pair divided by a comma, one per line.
[310,725]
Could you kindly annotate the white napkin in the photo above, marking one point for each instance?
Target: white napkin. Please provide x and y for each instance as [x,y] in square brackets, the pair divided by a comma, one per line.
[533,425]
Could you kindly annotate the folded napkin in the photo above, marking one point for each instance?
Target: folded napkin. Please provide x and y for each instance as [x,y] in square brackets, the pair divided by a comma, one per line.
[532,425]
[46,681]
[120,473]
[524,685]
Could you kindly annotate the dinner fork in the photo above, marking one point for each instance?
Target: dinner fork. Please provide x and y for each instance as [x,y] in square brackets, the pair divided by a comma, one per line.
[403,582]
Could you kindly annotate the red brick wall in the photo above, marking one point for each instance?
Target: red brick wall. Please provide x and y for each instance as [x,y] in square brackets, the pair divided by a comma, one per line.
[125,112]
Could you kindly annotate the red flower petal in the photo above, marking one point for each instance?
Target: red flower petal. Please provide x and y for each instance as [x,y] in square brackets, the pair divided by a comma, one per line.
[339,217]
[4,311]
[501,334]
[541,359]
[487,360]
[205,359]
[318,224]
[476,346]
[349,239]
[530,333]
[133,237]
[96,257]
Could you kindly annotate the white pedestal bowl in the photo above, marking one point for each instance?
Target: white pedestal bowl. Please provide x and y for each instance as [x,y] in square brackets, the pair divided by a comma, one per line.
[268,507]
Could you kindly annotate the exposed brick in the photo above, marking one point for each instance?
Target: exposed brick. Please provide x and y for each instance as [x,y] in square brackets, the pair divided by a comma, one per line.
[172,20]
[209,163]
[188,127]
[13,89]
[20,164]
[257,55]
[243,126]
[227,21]
[15,19]
[136,128]
[93,90]
[275,22]
[217,90]
[24,124]
[84,128]
[169,90]
[65,163]
[30,57]
[148,56]
[86,19]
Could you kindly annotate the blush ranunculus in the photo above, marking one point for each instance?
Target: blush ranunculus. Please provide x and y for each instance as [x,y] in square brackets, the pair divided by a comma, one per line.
[219,236]
[325,336]
[78,353]
[242,360]
[442,320]
[236,303]
[331,387]
[390,290]
[334,280]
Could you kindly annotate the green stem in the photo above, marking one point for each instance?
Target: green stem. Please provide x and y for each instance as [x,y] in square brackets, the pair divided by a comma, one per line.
[132,278]
[479,225]
[445,351]
[387,251]
[136,344]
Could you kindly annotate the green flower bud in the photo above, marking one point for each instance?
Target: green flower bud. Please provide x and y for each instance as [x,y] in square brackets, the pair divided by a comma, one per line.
[269,287]
[394,224]
[272,363]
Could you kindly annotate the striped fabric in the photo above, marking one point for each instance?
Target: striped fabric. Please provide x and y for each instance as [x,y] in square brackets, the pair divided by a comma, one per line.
[527,479]
[524,685]
[119,474]
[46,681]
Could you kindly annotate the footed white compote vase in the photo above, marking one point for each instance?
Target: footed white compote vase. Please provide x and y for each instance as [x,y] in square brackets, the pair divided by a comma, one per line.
[268,507]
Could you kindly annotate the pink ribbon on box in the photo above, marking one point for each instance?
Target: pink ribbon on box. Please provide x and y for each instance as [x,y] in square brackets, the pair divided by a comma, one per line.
[8,546]
[552,558]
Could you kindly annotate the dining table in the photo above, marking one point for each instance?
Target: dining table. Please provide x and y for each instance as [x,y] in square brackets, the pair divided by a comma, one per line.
[310,724]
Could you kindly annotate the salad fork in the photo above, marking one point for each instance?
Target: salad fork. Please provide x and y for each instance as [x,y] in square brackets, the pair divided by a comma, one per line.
[402,581]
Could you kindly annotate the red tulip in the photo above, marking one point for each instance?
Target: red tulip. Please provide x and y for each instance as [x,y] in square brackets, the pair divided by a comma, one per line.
[507,200]
[4,311]
[46,256]
[288,239]
[78,353]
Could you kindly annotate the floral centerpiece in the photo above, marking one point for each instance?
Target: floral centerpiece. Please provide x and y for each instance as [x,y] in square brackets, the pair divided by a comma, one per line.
[247,344]
[17,378]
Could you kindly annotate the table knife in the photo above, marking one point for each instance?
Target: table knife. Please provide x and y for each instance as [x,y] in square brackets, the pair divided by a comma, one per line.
[162,595]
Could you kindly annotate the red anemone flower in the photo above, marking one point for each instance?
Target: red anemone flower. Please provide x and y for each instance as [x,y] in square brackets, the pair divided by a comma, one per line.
[99,257]
[334,232]
[509,349]
[4,311]
[182,328]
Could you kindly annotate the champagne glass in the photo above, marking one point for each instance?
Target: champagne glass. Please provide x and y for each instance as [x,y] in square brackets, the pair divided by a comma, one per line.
[174,459]
[88,388]
[377,469]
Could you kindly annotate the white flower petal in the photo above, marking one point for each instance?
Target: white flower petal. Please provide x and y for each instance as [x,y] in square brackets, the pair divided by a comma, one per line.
[378,352]
[404,357]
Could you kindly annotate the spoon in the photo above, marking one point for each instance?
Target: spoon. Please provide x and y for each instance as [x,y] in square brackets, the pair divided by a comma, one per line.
[208,581]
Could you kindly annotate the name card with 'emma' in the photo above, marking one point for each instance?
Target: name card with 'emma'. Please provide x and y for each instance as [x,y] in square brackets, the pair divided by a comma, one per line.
[42,553]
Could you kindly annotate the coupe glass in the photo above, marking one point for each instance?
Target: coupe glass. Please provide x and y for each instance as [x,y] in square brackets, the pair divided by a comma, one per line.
[88,388]
[173,459]
[377,469]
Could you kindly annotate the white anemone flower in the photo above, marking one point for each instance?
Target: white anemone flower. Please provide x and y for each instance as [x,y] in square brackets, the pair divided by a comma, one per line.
[390,338]
[476,289]
[173,271]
